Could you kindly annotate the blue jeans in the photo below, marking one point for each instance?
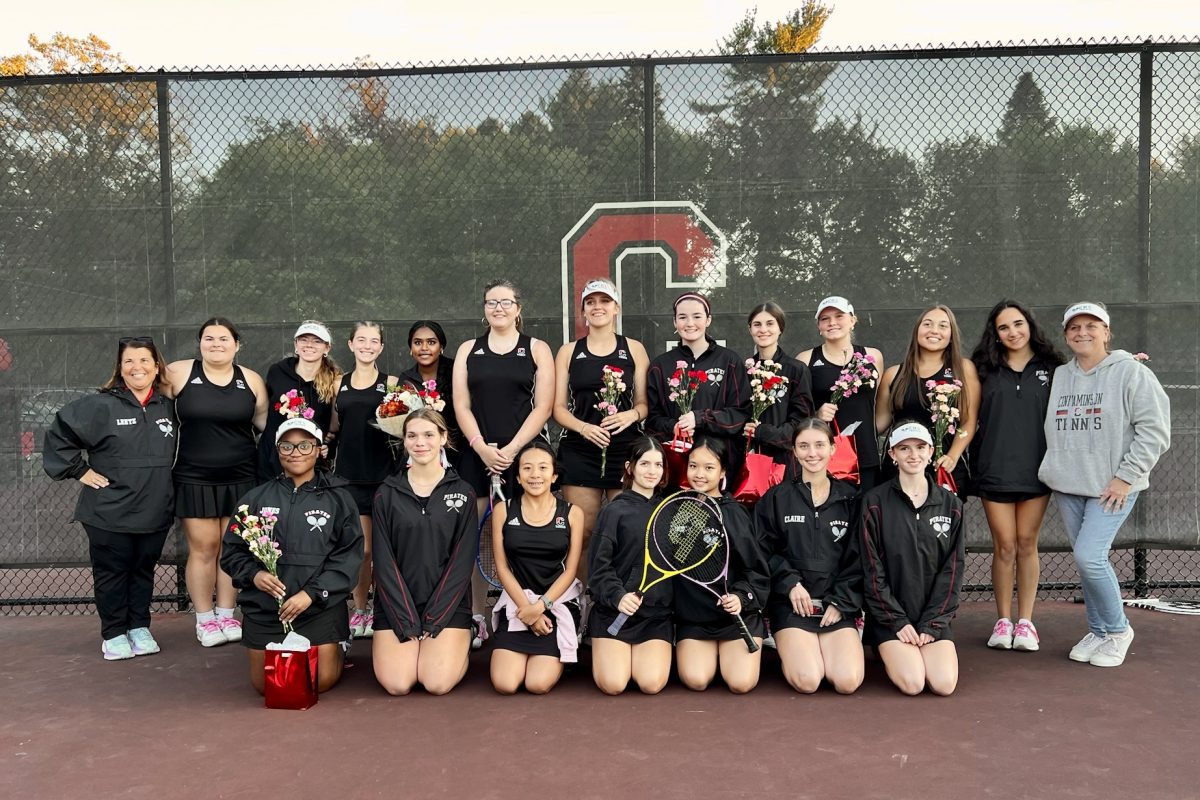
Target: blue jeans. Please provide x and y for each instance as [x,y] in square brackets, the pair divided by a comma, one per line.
[1091,530]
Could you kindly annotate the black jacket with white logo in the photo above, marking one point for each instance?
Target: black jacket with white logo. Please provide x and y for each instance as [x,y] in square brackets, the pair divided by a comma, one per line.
[424,551]
[131,445]
[616,556]
[320,536]
[815,547]
[912,558]
[749,576]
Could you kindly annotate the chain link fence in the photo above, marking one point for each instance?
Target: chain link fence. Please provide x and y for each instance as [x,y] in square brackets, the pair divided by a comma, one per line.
[145,203]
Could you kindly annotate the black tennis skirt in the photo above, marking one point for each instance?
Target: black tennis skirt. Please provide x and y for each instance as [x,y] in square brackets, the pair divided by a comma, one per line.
[201,501]
[719,631]
[875,634]
[325,627]
[782,616]
[461,618]
[527,641]
[364,496]
[636,630]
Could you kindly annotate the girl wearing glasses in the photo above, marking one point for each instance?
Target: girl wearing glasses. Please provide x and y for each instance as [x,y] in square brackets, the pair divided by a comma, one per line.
[318,532]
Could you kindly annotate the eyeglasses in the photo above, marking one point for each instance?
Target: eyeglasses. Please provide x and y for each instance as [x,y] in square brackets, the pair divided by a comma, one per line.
[124,340]
[506,304]
[304,448]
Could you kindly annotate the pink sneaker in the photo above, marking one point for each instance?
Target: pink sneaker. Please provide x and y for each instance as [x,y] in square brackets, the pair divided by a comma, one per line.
[1002,635]
[362,624]
[231,627]
[209,633]
[1026,637]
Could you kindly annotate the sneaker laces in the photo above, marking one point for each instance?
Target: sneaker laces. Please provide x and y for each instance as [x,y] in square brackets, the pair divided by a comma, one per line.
[1088,641]
[1003,627]
[140,636]
[209,626]
[358,619]
[1109,647]
[1027,630]
[228,622]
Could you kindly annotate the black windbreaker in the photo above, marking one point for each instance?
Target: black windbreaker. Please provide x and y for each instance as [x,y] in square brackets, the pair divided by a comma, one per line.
[1011,441]
[912,558]
[749,575]
[815,547]
[319,534]
[616,555]
[722,404]
[282,378]
[778,424]
[424,551]
[131,445]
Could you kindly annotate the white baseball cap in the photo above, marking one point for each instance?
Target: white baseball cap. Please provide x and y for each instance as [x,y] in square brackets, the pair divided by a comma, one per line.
[599,286]
[298,424]
[834,301]
[316,329]
[910,430]
[1094,309]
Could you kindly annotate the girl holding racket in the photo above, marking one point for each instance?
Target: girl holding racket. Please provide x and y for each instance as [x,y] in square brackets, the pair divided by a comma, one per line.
[934,354]
[772,434]
[912,550]
[425,523]
[1015,361]
[708,636]
[364,457]
[835,323]
[722,402]
[641,650]
[816,577]
[596,442]
[538,540]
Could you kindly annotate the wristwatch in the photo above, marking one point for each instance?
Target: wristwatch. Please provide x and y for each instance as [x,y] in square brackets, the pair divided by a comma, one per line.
[547,602]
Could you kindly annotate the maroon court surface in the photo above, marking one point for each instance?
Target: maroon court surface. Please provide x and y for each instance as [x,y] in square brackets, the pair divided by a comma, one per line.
[186,724]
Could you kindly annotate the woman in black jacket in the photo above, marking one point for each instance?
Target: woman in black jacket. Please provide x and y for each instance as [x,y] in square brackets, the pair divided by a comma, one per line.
[773,433]
[1015,361]
[816,578]
[425,525]
[642,648]
[912,556]
[120,444]
[318,533]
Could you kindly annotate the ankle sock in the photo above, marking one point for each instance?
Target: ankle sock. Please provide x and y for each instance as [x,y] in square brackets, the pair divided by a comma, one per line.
[223,612]
[205,616]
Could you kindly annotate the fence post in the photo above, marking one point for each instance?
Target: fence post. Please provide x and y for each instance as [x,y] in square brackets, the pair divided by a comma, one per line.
[167,200]
[649,178]
[1145,111]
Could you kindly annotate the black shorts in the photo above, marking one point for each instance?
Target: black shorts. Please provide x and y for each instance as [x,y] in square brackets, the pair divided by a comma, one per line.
[782,617]
[325,627]
[527,641]
[719,631]
[204,501]
[1010,497]
[364,496]
[876,634]
[636,630]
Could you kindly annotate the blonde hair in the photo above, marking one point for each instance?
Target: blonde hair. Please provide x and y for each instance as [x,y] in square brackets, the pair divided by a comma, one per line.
[328,373]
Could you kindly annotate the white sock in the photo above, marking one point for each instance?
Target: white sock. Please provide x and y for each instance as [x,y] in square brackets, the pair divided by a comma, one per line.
[224,612]
[1024,621]
[205,616]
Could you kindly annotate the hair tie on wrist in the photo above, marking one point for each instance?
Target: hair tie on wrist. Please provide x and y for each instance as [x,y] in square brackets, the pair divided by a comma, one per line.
[473,440]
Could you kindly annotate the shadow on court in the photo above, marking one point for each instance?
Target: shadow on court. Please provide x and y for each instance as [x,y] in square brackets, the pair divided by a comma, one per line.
[186,724]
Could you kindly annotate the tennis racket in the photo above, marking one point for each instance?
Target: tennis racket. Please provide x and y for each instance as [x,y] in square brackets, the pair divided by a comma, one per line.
[485,558]
[1169,605]
[685,536]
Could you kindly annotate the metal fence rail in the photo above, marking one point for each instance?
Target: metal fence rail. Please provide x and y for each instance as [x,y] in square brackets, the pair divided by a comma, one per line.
[147,202]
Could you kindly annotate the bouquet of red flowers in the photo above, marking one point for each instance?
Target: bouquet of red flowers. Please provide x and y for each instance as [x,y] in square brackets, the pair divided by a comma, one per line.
[395,407]
[292,406]
[767,387]
[684,383]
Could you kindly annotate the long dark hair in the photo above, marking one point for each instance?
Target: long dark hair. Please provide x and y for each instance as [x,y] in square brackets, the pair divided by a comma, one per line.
[991,355]
[641,446]
[161,382]
[952,359]
[715,446]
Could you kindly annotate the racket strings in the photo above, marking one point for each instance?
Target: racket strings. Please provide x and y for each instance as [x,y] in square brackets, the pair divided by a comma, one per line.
[691,540]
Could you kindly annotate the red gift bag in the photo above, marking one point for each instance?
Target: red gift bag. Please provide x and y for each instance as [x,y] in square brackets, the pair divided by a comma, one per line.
[290,679]
[843,465]
[946,480]
[759,473]
[676,451]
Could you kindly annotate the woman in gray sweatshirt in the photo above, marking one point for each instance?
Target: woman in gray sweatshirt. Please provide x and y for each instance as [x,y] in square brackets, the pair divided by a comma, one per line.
[1107,424]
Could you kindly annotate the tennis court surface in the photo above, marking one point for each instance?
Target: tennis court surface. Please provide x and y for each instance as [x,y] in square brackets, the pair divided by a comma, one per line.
[186,724]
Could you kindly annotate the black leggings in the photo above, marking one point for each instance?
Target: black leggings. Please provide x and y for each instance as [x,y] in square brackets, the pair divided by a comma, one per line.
[123,577]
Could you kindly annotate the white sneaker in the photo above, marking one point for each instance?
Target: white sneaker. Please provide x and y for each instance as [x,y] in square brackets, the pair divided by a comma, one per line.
[1086,646]
[231,628]
[142,643]
[1111,652]
[1002,635]
[116,648]
[479,631]
[769,641]
[209,633]
[1025,637]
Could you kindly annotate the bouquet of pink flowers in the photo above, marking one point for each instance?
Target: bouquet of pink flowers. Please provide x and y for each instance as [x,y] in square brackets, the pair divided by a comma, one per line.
[256,531]
[684,383]
[430,395]
[767,387]
[612,387]
[292,406]
[858,373]
[943,407]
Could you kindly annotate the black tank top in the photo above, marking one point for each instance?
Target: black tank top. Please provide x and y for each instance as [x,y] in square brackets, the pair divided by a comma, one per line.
[363,452]
[537,555]
[501,388]
[858,407]
[584,379]
[216,430]
[914,405]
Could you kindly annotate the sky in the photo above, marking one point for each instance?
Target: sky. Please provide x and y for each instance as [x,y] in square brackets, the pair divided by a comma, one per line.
[264,33]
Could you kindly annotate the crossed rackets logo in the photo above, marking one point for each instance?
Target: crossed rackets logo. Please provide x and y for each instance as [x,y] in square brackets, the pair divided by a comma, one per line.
[455,501]
[317,520]
[167,428]
[941,525]
[838,532]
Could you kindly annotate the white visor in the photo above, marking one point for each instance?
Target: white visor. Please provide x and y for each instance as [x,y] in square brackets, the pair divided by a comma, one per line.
[316,329]
[298,424]
[1085,308]
[834,301]
[910,430]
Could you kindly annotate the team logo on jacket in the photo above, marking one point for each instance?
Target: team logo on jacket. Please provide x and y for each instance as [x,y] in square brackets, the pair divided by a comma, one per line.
[791,518]
[1043,376]
[838,528]
[941,525]
[317,519]
[716,375]
[262,512]
[455,501]
[166,426]
[123,421]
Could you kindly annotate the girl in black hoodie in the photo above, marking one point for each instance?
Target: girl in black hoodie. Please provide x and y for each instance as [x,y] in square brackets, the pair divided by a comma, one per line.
[706,633]
[642,648]
[816,580]
[425,524]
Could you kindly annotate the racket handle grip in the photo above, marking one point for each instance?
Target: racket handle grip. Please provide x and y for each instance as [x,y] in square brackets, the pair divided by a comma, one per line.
[751,645]
[618,623]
